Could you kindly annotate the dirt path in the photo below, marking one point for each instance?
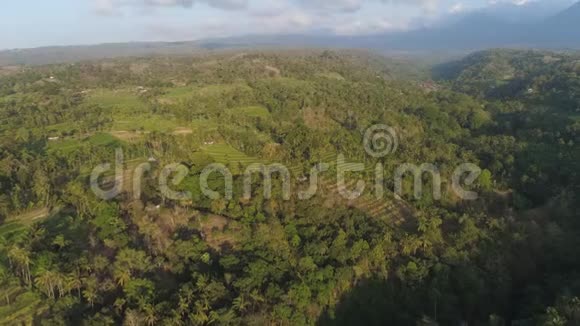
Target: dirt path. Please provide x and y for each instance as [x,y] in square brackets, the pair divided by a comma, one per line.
[30,216]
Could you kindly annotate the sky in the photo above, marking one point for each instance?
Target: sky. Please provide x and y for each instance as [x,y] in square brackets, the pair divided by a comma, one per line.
[34,23]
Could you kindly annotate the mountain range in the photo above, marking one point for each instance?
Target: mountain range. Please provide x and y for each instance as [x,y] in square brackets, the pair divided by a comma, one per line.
[523,26]
[483,29]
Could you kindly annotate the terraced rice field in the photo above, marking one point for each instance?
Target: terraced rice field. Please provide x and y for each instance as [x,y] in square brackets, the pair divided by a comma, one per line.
[226,154]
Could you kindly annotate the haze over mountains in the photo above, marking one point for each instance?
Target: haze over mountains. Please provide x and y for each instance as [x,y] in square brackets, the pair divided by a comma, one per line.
[527,25]
[483,29]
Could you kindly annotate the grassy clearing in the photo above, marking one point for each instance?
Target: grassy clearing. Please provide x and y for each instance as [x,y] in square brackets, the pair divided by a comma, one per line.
[186,92]
[12,229]
[30,216]
[204,125]
[60,127]
[182,131]
[144,122]
[71,144]
[331,75]
[127,136]
[220,89]
[118,99]
[177,93]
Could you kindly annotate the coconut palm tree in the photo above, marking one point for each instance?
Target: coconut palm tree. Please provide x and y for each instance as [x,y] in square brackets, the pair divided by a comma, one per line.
[119,305]
[123,276]
[20,259]
[50,282]
[132,318]
[240,304]
[150,315]
[90,295]
[73,282]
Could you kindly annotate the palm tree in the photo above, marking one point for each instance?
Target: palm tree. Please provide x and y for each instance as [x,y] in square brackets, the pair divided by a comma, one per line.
[21,259]
[150,315]
[60,283]
[36,234]
[119,305]
[228,318]
[123,276]
[132,318]
[73,282]
[256,298]
[90,295]
[240,304]
[45,282]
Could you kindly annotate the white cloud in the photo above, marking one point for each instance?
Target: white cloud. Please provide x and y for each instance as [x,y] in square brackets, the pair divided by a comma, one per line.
[457,8]
[513,2]
[333,5]
[114,6]
[358,27]
[319,6]
[429,5]
[347,6]
[343,17]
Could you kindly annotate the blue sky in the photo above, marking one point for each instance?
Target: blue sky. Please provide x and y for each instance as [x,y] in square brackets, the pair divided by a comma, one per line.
[33,23]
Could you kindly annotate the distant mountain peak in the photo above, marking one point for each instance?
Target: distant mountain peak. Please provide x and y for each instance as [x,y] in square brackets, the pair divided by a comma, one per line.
[570,13]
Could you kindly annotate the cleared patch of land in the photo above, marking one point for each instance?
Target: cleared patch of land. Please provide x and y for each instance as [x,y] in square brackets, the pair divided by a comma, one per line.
[255,111]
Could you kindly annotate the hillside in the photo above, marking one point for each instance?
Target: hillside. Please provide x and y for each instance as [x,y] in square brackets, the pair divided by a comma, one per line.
[165,250]
[533,76]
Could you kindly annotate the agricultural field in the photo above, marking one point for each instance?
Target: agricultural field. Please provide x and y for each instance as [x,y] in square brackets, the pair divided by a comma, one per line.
[254,111]
[226,154]
[144,123]
[123,100]
[69,145]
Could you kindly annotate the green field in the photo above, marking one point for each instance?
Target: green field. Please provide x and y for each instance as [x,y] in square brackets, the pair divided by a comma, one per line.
[224,153]
[117,99]
[254,111]
[144,122]
[204,125]
[71,144]
[331,75]
[185,92]
[217,90]
[179,92]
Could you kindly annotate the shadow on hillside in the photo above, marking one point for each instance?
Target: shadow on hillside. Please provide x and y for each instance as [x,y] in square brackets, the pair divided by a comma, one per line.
[447,70]
[377,302]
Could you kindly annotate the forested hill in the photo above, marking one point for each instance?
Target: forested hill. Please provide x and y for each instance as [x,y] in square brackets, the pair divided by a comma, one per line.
[526,75]
[68,257]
